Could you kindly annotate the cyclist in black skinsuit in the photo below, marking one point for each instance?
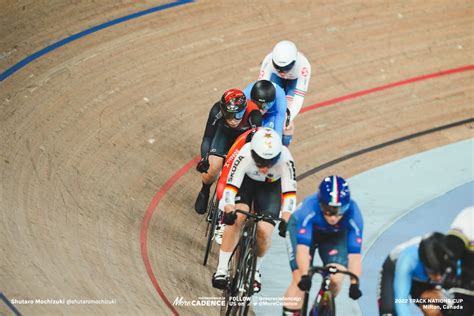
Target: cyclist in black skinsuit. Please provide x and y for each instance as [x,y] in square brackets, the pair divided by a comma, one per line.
[228,118]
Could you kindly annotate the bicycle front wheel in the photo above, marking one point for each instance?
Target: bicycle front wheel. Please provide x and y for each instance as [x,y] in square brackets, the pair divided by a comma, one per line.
[325,307]
[211,228]
[212,218]
[235,271]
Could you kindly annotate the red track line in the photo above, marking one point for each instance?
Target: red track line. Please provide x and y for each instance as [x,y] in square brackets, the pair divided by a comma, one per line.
[387,86]
[146,221]
[171,181]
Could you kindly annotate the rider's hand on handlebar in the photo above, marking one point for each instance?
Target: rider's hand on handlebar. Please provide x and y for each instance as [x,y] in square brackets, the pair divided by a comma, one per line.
[305,283]
[282,228]
[230,217]
[203,165]
[354,291]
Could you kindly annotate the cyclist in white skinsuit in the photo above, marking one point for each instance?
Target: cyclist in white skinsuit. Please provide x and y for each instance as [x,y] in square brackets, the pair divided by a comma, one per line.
[290,69]
[262,173]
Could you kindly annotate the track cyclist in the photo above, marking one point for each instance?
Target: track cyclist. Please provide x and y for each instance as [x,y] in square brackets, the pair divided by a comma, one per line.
[290,69]
[413,272]
[261,174]
[271,100]
[332,222]
[232,115]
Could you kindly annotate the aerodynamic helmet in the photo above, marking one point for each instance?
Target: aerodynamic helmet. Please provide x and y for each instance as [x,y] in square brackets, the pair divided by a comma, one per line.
[434,254]
[284,56]
[233,104]
[265,147]
[263,94]
[334,195]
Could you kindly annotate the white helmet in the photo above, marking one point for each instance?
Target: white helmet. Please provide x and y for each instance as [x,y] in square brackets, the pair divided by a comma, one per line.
[284,55]
[265,147]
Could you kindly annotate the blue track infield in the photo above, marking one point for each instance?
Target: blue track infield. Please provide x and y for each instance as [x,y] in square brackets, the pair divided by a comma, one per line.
[386,195]
[436,215]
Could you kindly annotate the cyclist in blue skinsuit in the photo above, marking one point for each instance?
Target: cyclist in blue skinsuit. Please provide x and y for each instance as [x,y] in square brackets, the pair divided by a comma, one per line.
[332,222]
[271,100]
[414,270]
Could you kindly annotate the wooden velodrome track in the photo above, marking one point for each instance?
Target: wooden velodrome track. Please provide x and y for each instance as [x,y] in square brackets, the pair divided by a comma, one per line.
[81,217]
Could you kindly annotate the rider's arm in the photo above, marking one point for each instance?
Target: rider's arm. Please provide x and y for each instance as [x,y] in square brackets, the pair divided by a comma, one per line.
[266,69]
[302,84]
[280,105]
[255,119]
[302,258]
[355,264]
[235,178]
[288,184]
[304,217]
[354,240]
[210,130]
[404,268]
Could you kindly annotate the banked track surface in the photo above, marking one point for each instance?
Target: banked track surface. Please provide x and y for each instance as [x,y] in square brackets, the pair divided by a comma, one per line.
[79,167]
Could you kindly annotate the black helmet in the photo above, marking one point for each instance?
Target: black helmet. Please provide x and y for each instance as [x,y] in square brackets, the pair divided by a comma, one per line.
[434,254]
[263,94]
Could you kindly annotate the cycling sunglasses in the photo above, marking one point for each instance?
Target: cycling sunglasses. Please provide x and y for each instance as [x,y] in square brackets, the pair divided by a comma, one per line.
[265,106]
[264,163]
[330,210]
[284,68]
[237,116]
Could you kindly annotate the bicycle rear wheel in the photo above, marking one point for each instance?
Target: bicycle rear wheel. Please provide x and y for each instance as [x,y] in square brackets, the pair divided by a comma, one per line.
[212,218]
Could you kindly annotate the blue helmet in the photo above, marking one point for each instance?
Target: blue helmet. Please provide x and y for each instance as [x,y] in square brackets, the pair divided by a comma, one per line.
[334,192]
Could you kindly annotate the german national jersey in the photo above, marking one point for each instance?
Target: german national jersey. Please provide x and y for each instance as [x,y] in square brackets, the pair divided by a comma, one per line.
[243,165]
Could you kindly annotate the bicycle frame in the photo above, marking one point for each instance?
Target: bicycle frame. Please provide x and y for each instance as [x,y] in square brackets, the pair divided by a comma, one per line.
[242,267]
[324,297]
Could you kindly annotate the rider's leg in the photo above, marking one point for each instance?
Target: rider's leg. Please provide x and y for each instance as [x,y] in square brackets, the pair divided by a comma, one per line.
[333,251]
[264,238]
[217,151]
[267,201]
[336,279]
[426,291]
[385,298]
[293,295]
[431,309]
[230,238]
[215,165]
[232,232]
[208,178]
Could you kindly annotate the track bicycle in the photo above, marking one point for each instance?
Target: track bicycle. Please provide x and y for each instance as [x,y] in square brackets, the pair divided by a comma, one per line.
[242,267]
[324,302]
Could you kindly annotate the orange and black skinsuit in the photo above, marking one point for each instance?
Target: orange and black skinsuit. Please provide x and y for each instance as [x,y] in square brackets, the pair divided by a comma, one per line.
[219,137]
